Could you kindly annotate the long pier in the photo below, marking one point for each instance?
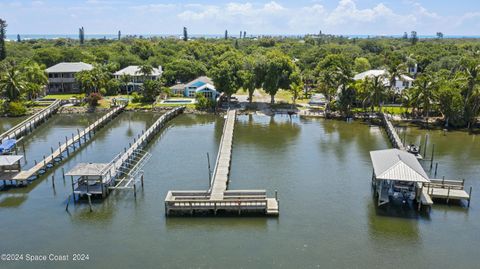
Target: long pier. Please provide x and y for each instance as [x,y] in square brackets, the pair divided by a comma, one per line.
[392,133]
[69,146]
[29,124]
[217,198]
[124,171]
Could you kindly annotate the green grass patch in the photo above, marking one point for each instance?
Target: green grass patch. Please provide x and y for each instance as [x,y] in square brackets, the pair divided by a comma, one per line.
[65,96]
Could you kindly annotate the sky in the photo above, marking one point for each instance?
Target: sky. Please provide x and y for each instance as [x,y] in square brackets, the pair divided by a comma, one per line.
[352,17]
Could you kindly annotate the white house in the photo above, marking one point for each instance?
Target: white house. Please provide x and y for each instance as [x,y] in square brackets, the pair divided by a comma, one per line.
[203,85]
[136,76]
[61,77]
[401,83]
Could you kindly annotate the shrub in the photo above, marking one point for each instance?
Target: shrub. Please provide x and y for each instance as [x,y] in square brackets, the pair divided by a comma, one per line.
[136,98]
[113,87]
[16,109]
[93,99]
[203,103]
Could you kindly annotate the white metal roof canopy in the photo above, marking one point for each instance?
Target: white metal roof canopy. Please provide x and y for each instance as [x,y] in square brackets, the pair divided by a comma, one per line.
[397,165]
[8,160]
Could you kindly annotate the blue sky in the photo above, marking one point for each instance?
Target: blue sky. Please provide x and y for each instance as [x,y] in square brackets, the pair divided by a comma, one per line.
[374,17]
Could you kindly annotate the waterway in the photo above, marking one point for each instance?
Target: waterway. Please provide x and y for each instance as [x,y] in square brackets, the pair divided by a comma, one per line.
[320,168]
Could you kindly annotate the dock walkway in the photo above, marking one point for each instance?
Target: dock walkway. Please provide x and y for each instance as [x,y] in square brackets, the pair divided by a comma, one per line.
[29,124]
[222,165]
[69,145]
[392,133]
[217,197]
[125,170]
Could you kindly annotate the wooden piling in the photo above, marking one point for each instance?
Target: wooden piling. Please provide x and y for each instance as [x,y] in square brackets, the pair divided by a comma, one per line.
[89,201]
[53,181]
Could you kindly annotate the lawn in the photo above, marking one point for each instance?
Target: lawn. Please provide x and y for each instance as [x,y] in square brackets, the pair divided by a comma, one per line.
[65,96]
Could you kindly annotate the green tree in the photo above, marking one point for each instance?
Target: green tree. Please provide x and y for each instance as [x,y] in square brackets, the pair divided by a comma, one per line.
[35,79]
[3,35]
[425,89]
[12,81]
[361,64]
[278,68]
[296,84]
[226,73]
[248,76]
[150,90]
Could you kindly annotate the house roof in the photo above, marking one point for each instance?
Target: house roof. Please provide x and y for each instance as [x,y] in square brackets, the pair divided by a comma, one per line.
[206,86]
[69,67]
[377,73]
[398,165]
[134,70]
[87,169]
[179,86]
[200,81]
[7,160]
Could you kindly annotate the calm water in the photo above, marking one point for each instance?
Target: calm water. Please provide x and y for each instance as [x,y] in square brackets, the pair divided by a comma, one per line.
[320,168]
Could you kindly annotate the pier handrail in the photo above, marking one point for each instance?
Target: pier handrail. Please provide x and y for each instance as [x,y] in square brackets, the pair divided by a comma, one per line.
[219,153]
[52,106]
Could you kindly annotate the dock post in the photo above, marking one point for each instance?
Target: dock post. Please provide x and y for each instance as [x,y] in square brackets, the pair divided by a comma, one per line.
[469,196]
[24,153]
[63,174]
[68,202]
[209,171]
[53,181]
[51,150]
[431,160]
[134,189]
[79,138]
[448,194]
[425,147]
[141,179]
[44,161]
[436,167]
[89,201]
[73,141]
[73,188]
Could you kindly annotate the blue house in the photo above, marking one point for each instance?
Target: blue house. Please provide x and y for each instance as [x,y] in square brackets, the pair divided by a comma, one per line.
[202,85]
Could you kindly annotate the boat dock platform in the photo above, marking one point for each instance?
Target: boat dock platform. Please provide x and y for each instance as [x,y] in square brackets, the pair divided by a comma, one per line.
[29,124]
[444,189]
[125,170]
[67,147]
[217,198]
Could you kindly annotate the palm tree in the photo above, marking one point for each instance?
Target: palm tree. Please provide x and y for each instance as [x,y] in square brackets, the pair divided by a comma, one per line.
[35,78]
[145,70]
[12,82]
[471,70]
[377,91]
[395,72]
[86,81]
[424,87]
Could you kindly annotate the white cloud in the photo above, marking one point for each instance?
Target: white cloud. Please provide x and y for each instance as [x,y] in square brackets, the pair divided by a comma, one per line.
[256,17]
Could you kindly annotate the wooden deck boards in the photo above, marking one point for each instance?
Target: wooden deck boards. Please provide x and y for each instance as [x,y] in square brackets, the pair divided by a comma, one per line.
[52,158]
[31,122]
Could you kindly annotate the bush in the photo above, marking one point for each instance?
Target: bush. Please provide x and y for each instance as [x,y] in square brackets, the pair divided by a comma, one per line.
[113,87]
[93,99]
[203,103]
[136,98]
[16,109]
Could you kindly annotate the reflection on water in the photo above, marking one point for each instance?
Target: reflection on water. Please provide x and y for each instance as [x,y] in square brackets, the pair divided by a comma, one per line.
[321,169]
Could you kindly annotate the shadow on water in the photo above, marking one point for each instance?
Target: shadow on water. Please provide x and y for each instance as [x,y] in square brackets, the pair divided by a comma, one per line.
[13,200]
[221,222]
[393,222]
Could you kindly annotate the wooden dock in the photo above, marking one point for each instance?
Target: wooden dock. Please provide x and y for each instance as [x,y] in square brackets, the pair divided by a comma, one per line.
[392,133]
[446,190]
[217,198]
[29,124]
[69,146]
[125,170]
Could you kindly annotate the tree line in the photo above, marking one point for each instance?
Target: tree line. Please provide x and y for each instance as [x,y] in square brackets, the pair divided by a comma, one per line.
[446,85]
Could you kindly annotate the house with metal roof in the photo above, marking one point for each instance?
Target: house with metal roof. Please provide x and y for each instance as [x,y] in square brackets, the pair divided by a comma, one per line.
[201,85]
[61,77]
[397,174]
[137,78]
[401,83]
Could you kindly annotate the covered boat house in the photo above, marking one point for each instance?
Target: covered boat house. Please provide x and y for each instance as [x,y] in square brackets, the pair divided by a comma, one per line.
[397,175]
[91,179]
